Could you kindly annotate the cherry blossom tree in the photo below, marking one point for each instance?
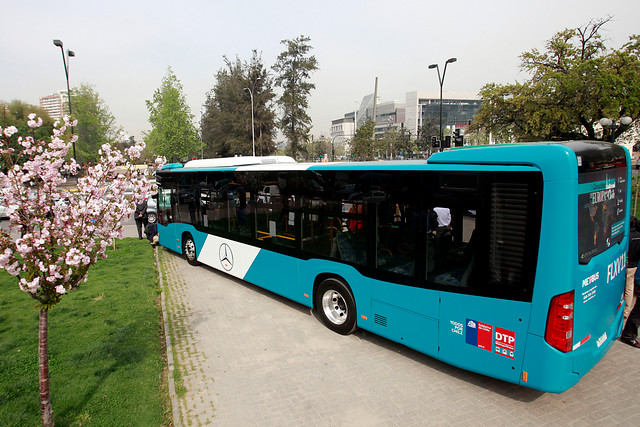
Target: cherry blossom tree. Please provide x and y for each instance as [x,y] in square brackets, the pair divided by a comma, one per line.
[56,234]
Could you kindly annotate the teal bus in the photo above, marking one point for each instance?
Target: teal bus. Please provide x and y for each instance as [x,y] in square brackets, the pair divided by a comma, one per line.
[506,260]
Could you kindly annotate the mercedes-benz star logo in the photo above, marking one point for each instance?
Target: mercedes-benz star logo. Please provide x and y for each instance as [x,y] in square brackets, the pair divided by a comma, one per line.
[226,257]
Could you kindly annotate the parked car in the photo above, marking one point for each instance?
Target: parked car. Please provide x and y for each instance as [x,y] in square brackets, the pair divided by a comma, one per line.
[152,209]
[3,210]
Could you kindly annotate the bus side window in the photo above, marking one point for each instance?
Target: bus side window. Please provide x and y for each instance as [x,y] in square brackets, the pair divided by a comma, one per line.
[334,215]
[164,206]
[455,211]
[451,246]
[398,211]
[274,210]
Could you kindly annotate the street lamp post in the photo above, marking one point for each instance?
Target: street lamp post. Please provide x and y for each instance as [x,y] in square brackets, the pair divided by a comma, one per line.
[70,54]
[613,125]
[253,136]
[441,81]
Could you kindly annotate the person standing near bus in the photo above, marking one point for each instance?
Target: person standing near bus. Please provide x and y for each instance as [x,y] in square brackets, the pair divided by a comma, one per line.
[140,215]
[630,332]
[633,256]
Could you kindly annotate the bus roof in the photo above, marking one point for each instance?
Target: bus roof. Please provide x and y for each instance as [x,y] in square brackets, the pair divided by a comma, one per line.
[551,157]
[226,162]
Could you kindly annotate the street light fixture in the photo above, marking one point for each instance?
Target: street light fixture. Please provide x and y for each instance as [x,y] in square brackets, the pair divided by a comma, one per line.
[70,54]
[253,136]
[613,125]
[441,81]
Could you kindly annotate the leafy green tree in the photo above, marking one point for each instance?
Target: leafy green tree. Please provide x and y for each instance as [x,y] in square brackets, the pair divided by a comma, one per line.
[173,134]
[263,108]
[387,145]
[16,112]
[574,83]
[314,149]
[96,125]
[430,127]
[226,122]
[395,143]
[405,146]
[476,137]
[294,67]
[363,144]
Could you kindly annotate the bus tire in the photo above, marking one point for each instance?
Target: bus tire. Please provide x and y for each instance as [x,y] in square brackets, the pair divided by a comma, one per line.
[189,249]
[336,306]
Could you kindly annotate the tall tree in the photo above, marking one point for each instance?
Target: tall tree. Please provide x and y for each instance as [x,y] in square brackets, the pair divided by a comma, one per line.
[225,125]
[96,124]
[362,145]
[574,83]
[173,134]
[263,108]
[405,146]
[294,67]
[430,127]
[387,144]
[315,149]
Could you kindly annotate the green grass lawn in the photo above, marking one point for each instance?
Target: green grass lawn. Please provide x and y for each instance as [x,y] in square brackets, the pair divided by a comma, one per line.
[105,347]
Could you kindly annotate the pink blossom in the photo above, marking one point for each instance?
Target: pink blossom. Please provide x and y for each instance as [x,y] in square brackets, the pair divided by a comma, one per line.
[81,224]
[33,123]
[10,131]
[5,257]
[30,286]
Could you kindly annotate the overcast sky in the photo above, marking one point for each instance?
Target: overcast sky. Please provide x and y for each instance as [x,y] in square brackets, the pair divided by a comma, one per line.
[123,48]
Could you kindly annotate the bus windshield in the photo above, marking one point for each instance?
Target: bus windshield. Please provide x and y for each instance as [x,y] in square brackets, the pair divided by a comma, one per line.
[602,186]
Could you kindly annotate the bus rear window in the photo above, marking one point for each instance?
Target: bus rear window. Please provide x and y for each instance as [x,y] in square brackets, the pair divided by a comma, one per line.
[601,210]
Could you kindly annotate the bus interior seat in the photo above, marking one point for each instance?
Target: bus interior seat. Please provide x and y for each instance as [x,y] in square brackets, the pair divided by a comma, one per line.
[348,248]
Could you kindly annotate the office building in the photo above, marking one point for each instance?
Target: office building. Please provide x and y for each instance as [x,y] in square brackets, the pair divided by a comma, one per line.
[419,107]
[56,105]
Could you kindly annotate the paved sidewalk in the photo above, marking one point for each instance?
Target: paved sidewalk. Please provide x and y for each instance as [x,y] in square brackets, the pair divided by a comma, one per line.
[252,358]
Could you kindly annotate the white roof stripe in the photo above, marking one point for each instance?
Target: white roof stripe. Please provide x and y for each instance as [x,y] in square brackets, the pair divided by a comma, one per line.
[228,162]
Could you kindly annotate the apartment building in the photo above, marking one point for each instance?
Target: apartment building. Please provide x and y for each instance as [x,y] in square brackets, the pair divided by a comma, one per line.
[56,104]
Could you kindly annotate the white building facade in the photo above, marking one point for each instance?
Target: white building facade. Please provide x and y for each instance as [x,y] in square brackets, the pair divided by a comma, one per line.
[458,110]
[56,105]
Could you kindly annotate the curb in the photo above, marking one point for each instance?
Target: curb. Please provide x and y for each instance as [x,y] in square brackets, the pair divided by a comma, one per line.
[175,407]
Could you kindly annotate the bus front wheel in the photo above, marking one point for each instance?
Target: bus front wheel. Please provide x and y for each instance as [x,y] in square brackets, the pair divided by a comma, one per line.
[189,249]
[336,306]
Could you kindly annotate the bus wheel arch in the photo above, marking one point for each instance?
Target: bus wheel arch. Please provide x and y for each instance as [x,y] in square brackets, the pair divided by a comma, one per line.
[189,248]
[335,304]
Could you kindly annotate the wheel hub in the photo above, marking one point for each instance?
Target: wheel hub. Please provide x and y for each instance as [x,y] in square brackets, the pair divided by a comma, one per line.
[334,307]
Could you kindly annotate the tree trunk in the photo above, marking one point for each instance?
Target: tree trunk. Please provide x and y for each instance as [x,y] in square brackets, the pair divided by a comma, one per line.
[43,362]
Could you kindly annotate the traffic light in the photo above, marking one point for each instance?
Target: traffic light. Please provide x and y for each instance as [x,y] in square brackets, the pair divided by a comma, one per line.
[434,142]
[458,140]
[447,142]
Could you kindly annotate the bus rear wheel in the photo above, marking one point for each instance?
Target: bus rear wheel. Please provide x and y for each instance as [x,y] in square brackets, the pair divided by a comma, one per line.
[336,306]
[189,249]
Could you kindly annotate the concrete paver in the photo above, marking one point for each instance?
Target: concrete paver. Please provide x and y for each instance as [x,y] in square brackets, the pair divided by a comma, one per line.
[251,358]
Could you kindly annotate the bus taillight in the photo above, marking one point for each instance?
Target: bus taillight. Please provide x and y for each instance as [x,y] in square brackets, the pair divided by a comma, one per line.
[559,332]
